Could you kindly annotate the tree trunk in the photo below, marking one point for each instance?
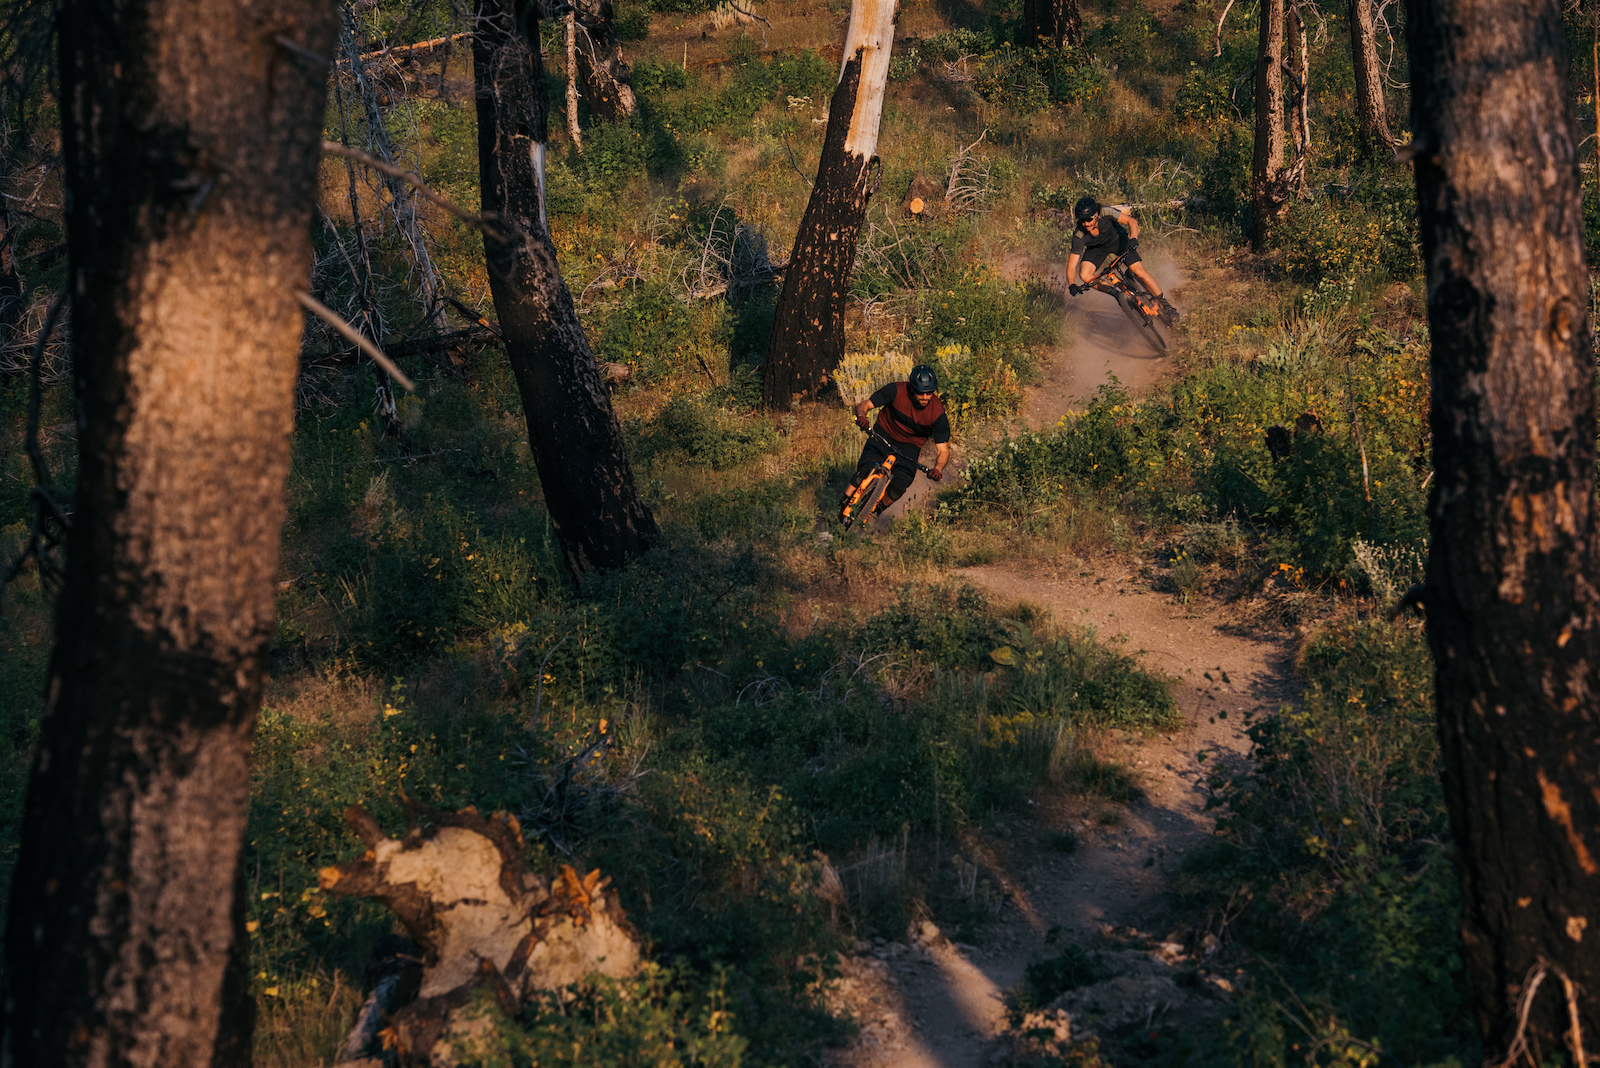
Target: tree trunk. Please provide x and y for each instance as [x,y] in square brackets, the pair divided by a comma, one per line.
[1266,186]
[576,440]
[1054,23]
[190,136]
[1294,177]
[606,78]
[573,130]
[808,326]
[1511,582]
[1372,109]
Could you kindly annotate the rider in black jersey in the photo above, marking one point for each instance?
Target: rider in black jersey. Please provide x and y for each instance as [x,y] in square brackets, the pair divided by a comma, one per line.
[1099,235]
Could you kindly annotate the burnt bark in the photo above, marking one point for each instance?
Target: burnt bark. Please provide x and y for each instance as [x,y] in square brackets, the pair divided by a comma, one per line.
[807,340]
[190,135]
[1511,589]
[1267,194]
[607,80]
[1056,23]
[573,432]
[1372,108]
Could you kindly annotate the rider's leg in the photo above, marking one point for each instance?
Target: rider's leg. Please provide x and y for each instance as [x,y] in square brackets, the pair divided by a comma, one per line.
[1086,272]
[899,480]
[1147,278]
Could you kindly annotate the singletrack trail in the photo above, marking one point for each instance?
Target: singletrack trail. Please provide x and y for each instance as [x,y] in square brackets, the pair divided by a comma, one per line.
[929,1002]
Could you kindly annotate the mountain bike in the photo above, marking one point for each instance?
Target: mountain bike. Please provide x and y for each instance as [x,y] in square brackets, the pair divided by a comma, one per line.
[1137,304]
[865,499]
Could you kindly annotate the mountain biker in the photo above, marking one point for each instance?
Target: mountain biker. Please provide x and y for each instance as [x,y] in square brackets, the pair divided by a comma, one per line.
[1094,239]
[910,413]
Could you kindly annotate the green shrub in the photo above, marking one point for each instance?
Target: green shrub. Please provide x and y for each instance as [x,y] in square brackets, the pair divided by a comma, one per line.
[1339,829]
[691,430]
[649,329]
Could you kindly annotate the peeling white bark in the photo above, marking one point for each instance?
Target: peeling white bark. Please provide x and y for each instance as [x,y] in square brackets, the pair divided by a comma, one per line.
[871,33]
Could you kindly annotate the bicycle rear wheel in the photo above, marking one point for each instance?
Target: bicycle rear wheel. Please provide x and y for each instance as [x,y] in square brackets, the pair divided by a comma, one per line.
[1144,321]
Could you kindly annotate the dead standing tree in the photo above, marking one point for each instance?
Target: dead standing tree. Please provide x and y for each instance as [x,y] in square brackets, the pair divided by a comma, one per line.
[190,136]
[808,327]
[1267,193]
[1372,108]
[576,440]
[1513,608]
[606,78]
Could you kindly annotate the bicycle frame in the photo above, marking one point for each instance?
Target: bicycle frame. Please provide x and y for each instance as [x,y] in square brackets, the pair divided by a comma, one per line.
[881,470]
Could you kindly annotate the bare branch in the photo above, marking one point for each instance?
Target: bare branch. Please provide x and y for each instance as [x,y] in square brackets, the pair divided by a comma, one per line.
[354,336]
[1220,20]
[333,148]
[757,18]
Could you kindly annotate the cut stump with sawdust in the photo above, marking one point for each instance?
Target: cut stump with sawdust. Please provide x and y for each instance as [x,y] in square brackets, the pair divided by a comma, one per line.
[487,931]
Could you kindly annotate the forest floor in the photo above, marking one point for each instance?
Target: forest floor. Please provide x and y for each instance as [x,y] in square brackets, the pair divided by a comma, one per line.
[930,1002]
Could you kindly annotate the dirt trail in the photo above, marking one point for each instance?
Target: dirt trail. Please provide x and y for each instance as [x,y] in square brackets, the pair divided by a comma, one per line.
[928,1002]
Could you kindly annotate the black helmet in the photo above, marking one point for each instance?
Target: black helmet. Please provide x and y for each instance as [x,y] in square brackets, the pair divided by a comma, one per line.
[922,379]
[1085,209]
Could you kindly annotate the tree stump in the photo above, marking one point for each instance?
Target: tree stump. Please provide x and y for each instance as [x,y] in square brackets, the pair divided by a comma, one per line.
[489,932]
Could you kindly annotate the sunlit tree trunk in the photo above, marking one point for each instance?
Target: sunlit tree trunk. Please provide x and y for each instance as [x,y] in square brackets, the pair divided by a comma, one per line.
[190,134]
[1511,583]
[808,328]
[573,130]
[1266,185]
[576,440]
[1372,109]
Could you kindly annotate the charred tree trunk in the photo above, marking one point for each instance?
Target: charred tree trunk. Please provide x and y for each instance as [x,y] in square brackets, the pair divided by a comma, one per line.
[1511,583]
[576,440]
[1055,23]
[1372,108]
[808,327]
[1267,197]
[606,78]
[190,134]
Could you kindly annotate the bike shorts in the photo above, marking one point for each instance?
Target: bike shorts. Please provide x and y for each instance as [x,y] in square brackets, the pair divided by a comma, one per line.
[905,470]
[1097,256]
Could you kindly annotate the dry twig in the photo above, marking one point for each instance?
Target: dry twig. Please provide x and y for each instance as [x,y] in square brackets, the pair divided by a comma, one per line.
[355,337]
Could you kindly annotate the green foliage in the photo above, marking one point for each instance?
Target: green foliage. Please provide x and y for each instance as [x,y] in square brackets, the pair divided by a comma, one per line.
[1027,80]
[649,329]
[1339,830]
[692,431]
[1048,978]
[657,1019]
[1199,450]
[1206,96]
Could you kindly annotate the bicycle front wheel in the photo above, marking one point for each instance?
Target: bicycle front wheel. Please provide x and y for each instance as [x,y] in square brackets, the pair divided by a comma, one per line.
[1147,323]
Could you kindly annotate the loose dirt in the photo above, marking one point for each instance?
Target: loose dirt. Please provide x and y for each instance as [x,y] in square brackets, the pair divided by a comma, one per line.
[928,1001]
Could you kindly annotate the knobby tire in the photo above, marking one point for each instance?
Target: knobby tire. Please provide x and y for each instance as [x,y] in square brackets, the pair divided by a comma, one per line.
[1145,323]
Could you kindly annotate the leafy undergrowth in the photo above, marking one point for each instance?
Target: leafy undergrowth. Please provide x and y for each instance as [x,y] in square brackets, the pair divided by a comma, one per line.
[1332,877]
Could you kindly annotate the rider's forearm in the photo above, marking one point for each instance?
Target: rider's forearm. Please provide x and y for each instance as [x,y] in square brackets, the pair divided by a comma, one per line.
[1072,268]
[862,408]
[941,456]
[1133,226]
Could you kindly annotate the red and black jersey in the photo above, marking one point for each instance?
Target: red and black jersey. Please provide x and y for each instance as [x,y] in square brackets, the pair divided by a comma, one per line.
[902,422]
